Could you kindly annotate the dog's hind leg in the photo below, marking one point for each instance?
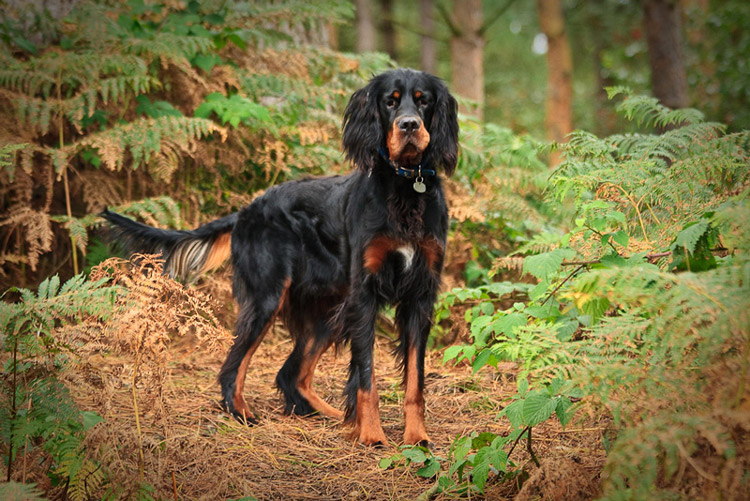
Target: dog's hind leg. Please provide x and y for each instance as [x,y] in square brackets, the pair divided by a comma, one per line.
[295,377]
[254,320]
[313,352]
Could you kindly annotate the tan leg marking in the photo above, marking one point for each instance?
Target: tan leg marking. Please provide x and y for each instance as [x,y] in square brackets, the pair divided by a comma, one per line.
[238,399]
[304,382]
[414,427]
[368,429]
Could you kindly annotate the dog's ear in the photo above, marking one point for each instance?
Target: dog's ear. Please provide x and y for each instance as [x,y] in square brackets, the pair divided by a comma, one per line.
[444,129]
[363,132]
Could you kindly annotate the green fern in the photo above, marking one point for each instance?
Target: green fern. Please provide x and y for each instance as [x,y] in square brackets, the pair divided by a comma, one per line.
[649,112]
[14,491]
[143,138]
[665,352]
[42,413]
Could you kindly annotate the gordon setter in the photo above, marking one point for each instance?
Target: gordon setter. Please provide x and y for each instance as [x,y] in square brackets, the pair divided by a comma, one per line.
[325,254]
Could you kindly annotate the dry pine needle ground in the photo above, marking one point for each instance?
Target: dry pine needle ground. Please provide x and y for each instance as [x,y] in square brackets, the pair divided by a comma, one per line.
[180,443]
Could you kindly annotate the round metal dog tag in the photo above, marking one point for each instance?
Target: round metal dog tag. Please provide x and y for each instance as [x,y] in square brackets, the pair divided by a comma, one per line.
[419,186]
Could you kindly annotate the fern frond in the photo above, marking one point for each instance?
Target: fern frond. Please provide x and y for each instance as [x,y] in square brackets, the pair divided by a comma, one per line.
[160,211]
[16,491]
[145,137]
[649,112]
[29,82]
[169,48]
[7,154]
[539,243]
[85,479]
[293,11]
[37,231]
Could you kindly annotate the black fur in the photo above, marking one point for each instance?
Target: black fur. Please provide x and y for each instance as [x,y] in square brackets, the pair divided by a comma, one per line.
[299,250]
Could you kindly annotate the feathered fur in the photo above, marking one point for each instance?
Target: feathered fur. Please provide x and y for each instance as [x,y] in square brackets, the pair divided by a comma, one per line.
[326,254]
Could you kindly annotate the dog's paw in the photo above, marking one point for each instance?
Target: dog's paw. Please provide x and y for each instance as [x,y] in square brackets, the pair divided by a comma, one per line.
[242,413]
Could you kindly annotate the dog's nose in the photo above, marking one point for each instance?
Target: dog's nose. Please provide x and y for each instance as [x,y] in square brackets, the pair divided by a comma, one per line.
[408,124]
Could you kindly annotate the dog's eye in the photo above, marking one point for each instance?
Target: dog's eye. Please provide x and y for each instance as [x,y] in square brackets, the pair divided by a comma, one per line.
[391,102]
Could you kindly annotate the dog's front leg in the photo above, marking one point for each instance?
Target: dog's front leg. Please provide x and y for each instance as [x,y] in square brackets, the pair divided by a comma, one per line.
[414,318]
[360,311]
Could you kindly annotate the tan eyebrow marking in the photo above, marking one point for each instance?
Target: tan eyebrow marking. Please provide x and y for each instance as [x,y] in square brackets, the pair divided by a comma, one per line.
[396,94]
[417,94]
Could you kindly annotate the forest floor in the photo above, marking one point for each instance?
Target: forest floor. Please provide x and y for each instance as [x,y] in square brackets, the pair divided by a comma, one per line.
[193,450]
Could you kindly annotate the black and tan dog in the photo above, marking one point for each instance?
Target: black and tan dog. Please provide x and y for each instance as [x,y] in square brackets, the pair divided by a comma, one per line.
[326,254]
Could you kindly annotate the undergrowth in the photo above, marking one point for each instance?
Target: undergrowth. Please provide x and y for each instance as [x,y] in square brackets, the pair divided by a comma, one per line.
[205,102]
[640,311]
[40,413]
[52,338]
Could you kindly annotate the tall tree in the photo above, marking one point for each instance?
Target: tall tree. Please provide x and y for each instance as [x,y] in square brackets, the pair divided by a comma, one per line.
[665,52]
[468,27]
[559,120]
[387,28]
[365,27]
[467,51]
[428,50]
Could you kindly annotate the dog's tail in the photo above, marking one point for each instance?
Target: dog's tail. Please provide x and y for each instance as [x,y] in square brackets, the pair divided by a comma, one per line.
[185,253]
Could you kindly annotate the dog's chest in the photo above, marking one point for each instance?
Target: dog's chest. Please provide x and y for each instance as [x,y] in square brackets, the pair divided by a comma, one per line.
[384,252]
[407,251]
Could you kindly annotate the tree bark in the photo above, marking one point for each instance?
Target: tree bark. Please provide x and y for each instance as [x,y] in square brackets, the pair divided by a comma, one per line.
[559,116]
[467,51]
[665,52]
[386,28]
[365,27]
[428,50]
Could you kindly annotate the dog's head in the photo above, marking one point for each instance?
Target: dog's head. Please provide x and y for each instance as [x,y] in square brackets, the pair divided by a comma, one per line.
[409,115]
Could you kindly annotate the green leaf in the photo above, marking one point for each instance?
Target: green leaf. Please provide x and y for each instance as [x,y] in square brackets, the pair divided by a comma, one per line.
[546,264]
[514,412]
[481,470]
[204,110]
[487,308]
[616,215]
[206,61]
[621,237]
[90,419]
[452,352]
[385,463]
[538,311]
[538,407]
[415,454]
[523,387]
[562,410]
[596,308]
[485,357]
[507,323]
[430,469]
[461,447]
[690,234]
[478,331]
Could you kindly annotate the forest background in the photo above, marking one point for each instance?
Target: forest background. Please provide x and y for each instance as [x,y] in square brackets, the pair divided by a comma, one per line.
[596,286]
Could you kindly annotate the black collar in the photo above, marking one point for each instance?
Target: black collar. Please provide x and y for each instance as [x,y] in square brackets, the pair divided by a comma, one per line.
[407,172]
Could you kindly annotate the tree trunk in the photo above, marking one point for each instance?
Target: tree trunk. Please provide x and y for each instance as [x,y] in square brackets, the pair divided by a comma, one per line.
[428,50]
[604,113]
[665,53]
[467,51]
[386,28]
[365,27]
[558,121]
